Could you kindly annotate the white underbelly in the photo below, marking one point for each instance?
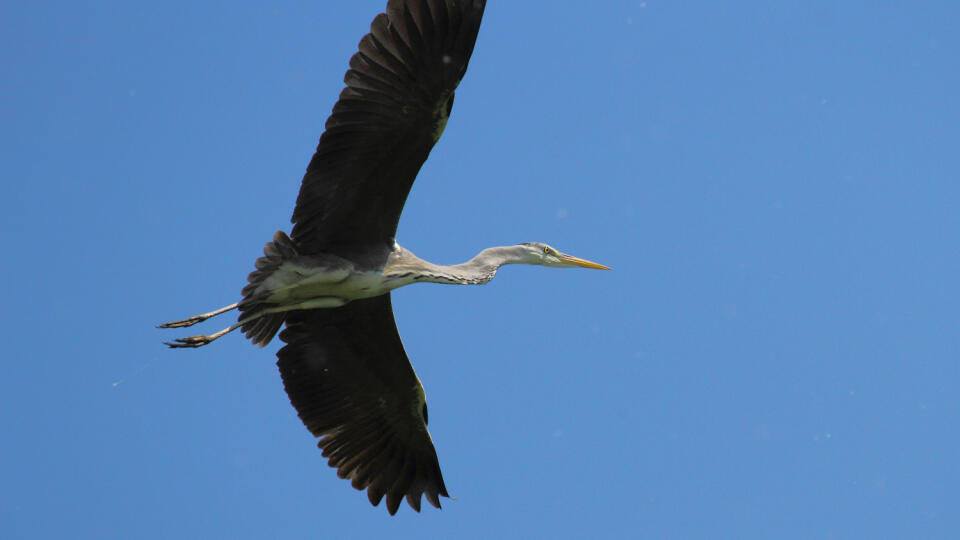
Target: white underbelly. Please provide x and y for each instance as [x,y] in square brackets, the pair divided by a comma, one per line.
[293,284]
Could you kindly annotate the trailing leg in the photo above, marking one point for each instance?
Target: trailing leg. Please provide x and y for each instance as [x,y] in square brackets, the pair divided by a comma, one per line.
[190,321]
[258,319]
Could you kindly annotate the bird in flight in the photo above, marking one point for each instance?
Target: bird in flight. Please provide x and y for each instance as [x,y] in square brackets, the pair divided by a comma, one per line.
[343,365]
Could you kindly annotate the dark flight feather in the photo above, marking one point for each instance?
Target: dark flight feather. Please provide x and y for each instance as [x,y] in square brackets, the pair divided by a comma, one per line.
[384,125]
[352,384]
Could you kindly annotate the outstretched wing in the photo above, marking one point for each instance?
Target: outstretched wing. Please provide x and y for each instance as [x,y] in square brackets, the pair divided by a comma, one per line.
[352,384]
[399,94]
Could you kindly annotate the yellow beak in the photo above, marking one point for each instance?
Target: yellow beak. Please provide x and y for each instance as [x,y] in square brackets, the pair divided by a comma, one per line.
[577,261]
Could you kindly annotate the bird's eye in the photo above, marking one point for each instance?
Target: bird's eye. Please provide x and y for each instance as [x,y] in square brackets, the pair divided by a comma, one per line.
[546,250]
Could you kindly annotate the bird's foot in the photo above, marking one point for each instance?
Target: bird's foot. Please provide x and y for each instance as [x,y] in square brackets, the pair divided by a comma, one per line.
[185,322]
[189,342]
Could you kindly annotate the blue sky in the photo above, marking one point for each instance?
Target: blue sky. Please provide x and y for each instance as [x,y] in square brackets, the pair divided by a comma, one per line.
[775,354]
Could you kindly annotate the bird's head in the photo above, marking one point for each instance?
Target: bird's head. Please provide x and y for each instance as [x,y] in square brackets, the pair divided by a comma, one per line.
[544,255]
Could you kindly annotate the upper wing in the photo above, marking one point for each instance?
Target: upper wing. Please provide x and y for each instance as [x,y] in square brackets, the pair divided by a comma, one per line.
[399,94]
[349,378]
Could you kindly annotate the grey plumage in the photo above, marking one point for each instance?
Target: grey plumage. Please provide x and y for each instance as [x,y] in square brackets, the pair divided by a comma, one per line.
[343,364]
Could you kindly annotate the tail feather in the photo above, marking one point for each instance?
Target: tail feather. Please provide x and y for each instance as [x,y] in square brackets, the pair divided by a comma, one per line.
[261,329]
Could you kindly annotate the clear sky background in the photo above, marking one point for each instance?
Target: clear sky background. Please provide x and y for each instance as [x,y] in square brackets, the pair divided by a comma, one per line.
[775,355]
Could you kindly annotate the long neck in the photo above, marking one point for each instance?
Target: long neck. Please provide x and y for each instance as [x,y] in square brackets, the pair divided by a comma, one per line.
[476,271]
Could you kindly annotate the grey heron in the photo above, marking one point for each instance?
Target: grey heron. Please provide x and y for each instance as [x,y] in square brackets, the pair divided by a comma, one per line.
[343,365]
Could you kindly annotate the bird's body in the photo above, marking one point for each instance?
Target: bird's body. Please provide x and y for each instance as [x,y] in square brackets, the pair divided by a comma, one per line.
[333,281]
[317,277]
[328,282]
